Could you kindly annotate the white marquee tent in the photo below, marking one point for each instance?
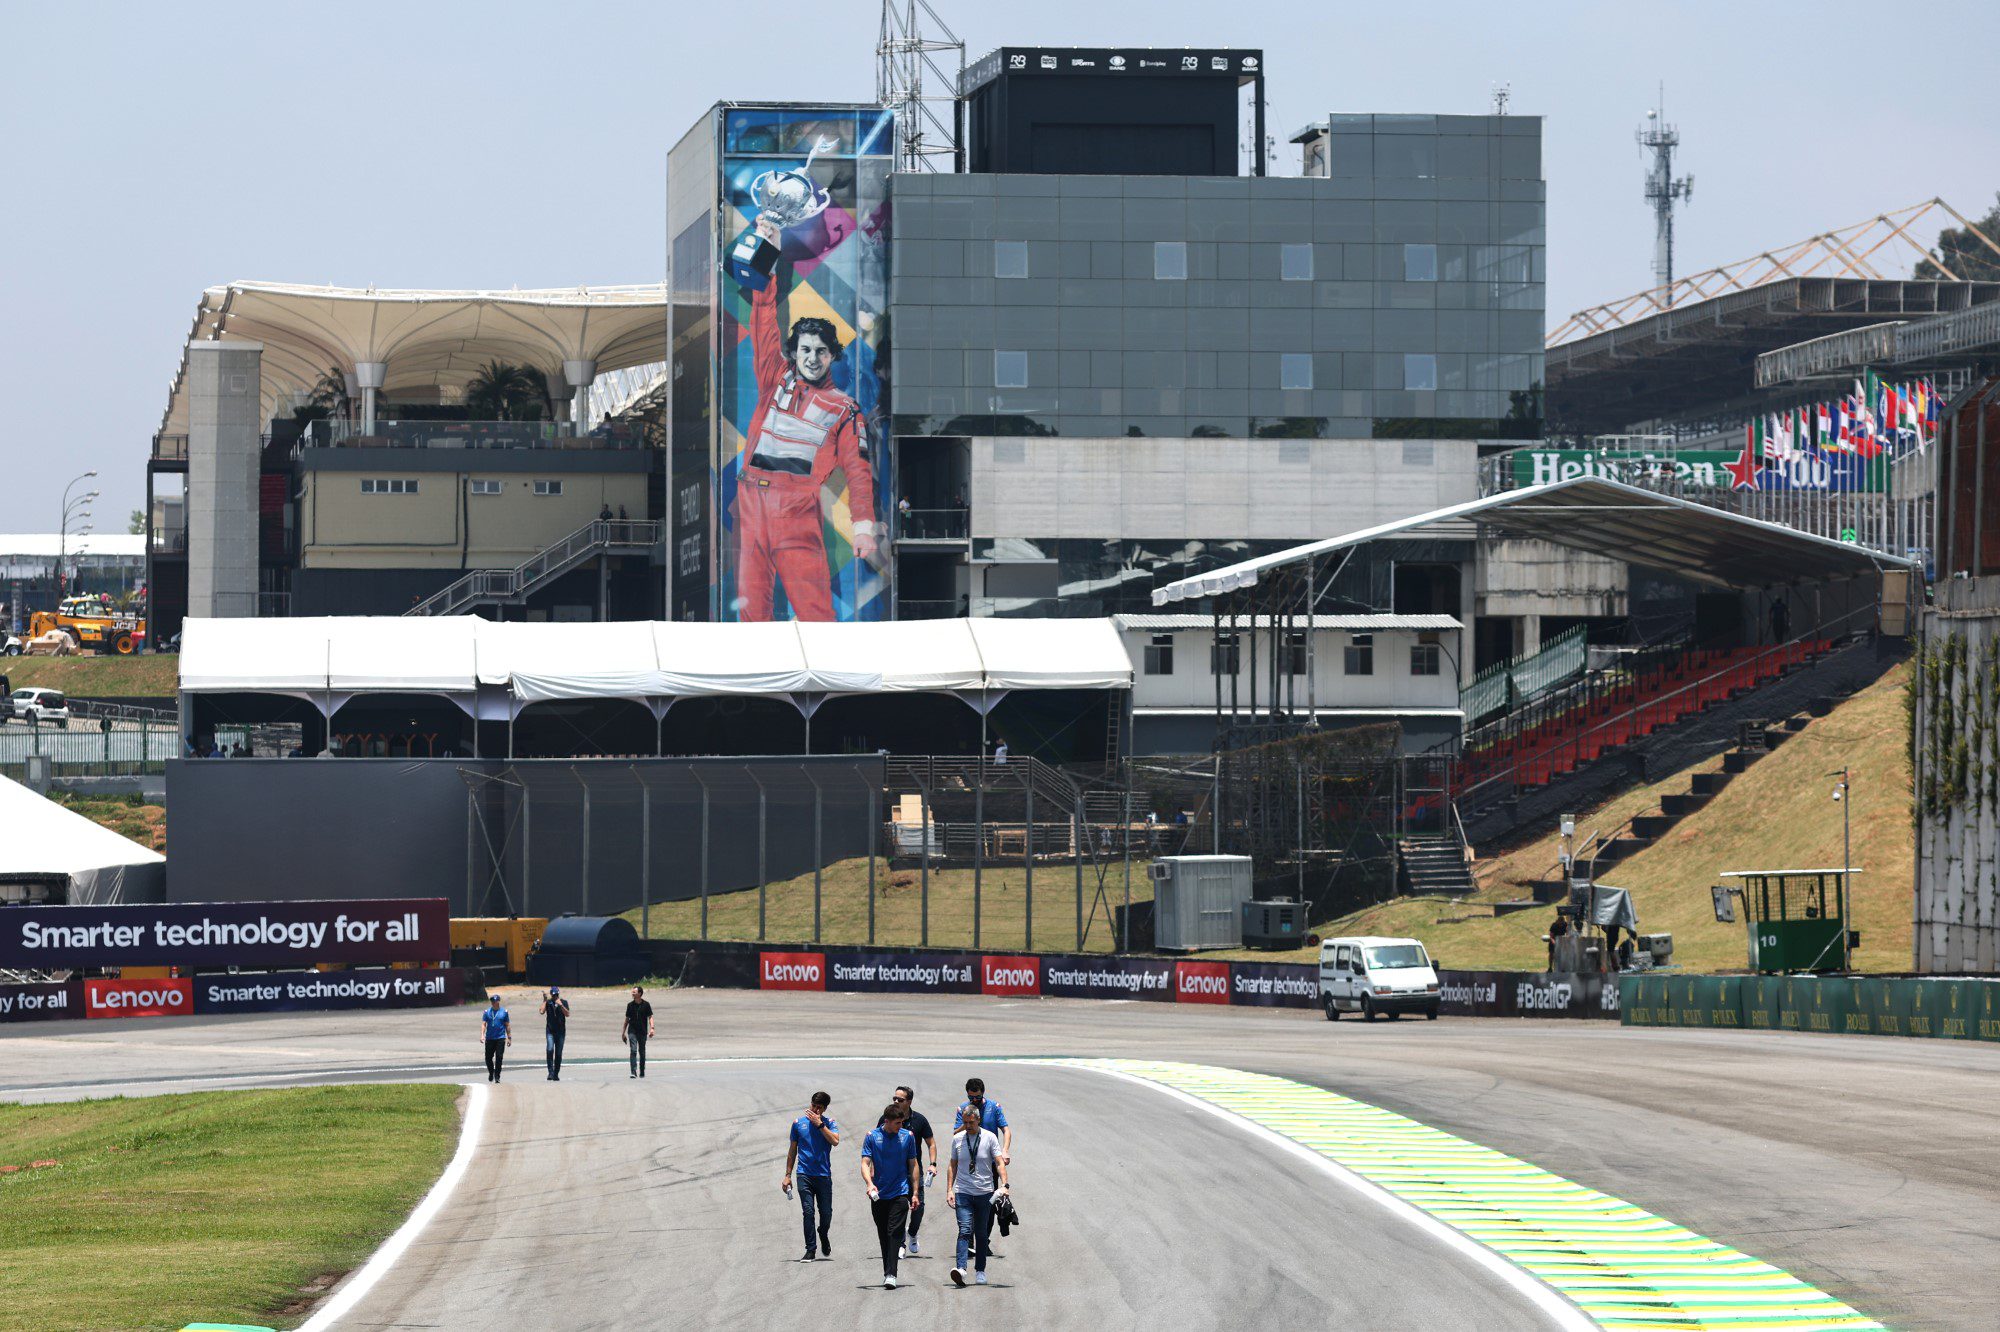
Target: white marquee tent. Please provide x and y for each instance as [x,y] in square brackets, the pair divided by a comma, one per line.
[492,670]
[43,840]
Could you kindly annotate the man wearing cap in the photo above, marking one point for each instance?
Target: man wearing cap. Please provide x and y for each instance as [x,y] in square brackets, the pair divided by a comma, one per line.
[499,1035]
[555,1013]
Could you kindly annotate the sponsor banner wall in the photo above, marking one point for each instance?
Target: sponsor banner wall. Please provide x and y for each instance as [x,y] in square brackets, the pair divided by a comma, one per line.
[902,972]
[1527,994]
[791,971]
[1201,982]
[1149,978]
[138,998]
[1010,975]
[1274,984]
[226,934]
[288,991]
[37,1002]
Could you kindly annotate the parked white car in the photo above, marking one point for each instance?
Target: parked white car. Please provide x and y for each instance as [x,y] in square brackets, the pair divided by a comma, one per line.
[1369,975]
[46,707]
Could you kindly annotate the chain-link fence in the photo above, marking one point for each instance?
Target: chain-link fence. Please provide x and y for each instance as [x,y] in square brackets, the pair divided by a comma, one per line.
[90,747]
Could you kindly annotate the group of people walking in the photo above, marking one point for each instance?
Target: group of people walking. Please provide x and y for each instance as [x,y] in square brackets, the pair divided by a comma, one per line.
[895,1173]
[498,1025]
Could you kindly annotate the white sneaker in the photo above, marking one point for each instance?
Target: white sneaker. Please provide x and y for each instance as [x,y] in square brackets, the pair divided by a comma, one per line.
[979,1277]
[957,1276]
[914,1250]
[888,1283]
[902,1251]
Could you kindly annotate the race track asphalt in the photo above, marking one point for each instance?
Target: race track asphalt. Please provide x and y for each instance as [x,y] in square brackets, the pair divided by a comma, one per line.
[1869,1167]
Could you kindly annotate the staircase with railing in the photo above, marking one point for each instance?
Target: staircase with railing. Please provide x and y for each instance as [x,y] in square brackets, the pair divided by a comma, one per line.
[505,587]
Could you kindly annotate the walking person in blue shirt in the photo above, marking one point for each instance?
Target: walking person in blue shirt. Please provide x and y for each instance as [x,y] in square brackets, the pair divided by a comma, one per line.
[991,1117]
[920,1129]
[813,1138]
[977,1176]
[499,1035]
[889,1169]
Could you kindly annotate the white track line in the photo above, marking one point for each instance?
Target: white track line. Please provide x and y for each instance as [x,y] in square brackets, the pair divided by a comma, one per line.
[357,1286]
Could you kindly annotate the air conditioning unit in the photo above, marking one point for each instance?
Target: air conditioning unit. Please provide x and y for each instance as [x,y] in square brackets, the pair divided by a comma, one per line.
[1198,902]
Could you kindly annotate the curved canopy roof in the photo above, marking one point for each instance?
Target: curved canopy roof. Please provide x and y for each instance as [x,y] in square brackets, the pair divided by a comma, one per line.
[428,339]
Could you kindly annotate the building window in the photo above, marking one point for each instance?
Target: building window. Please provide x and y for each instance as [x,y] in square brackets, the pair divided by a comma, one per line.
[1295,262]
[1010,259]
[1420,372]
[1010,369]
[1160,655]
[486,487]
[1424,658]
[388,486]
[548,487]
[1170,261]
[1295,371]
[1295,653]
[1225,655]
[1420,263]
[1359,656]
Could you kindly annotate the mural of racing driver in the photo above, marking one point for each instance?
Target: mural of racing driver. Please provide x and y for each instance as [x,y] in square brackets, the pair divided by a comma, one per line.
[803,430]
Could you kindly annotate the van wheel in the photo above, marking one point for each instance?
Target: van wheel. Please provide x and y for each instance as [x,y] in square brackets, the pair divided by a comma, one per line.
[1395,1016]
[63,724]
[1326,1003]
[1368,1008]
[1430,1015]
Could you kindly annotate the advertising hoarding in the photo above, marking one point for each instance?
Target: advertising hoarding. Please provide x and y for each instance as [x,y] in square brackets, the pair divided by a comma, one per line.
[138,998]
[800,477]
[1700,469]
[292,991]
[226,934]
[41,1001]
[1108,978]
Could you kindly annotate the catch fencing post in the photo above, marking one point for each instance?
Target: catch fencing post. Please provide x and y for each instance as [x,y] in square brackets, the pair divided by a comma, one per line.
[527,845]
[874,831]
[924,863]
[1125,931]
[645,853]
[585,903]
[1076,837]
[1028,856]
[819,854]
[763,883]
[695,772]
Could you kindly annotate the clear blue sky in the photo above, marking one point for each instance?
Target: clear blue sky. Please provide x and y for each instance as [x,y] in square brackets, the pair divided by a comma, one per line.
[152,150]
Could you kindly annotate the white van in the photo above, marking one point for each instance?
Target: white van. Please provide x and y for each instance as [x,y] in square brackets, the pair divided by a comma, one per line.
[1370,975]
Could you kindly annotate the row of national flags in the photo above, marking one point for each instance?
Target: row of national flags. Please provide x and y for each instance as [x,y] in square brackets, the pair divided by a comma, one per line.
[1877,418]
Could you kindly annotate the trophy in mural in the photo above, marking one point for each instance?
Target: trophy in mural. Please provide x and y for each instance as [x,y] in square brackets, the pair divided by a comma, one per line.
[783,199]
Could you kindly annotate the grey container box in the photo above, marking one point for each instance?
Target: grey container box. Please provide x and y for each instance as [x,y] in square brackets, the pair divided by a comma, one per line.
[1198,902]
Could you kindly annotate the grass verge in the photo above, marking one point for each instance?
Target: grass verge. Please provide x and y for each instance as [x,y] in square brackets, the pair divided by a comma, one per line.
[224,1207]
[146,675]
[899,908]
[130,816]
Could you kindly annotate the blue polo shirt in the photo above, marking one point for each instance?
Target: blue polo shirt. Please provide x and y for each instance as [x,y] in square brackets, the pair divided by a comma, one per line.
[991,1117]
[892,1156]
[496,1023]
[815,1152]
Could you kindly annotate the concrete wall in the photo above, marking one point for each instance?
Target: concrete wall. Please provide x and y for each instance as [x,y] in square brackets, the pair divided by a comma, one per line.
[1209,489]
[1519,577]
[224,426]
[1957,910]
[343,528]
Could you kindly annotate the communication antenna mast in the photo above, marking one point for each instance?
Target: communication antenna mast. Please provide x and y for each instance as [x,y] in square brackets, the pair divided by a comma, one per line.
[1662,190]
[904,56]
[1501,93]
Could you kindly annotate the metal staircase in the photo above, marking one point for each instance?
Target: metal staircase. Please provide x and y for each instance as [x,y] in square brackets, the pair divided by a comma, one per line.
[510,587]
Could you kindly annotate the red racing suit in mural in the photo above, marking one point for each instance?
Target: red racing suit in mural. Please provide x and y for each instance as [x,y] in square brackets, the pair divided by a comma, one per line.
[801,433]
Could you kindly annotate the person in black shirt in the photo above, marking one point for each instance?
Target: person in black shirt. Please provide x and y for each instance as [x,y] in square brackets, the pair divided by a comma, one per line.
[920,1129]
[555,1012]
[638,1029]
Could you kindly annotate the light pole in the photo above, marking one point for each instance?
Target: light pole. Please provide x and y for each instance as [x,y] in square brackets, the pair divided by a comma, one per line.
[1846,857]
[62,536]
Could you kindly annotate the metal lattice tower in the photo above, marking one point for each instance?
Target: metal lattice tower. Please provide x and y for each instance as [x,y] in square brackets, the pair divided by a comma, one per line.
[1662,190]
[904,59]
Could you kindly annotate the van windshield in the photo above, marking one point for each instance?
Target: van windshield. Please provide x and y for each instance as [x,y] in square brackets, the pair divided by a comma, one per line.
[1396,955]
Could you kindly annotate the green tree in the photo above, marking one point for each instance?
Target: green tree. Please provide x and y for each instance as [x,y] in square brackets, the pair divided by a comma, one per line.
[1971,253]
[136,524]
[502,391]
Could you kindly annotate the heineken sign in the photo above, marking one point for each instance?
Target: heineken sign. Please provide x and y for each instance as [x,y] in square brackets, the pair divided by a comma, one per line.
[1698,469]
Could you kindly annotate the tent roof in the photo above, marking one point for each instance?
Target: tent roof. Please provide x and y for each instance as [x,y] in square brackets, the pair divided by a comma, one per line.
[1353,624]
[1601,517]
[458,654]
[428,339]
[44,838]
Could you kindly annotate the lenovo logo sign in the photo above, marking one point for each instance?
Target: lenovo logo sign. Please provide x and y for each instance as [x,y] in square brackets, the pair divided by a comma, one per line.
[791,971]
[137,998]
[1201,982]
[1010,975]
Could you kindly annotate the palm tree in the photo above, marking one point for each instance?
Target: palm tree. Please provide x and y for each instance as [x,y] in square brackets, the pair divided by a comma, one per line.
[328,397]
[502,391]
